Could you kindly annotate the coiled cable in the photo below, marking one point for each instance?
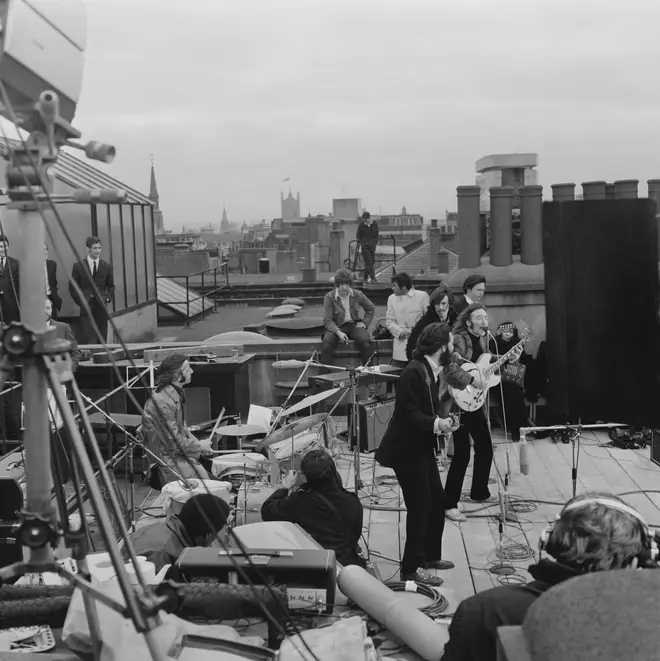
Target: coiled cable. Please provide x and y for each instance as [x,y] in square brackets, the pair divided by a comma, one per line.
[434,609]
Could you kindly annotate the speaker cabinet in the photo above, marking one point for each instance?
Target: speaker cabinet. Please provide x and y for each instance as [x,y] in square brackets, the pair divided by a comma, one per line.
[601,291]
[373,419]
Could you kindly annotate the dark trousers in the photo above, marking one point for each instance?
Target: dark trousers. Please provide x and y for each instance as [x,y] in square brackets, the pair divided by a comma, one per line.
[472,424]
[425,519]
[369,257]
[359,335]
[86,331]
[514,406]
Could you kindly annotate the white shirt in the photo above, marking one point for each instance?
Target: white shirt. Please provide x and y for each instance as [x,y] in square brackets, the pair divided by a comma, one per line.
[47,284]
[91,263]
[403,312]
[467,300]
[345,301]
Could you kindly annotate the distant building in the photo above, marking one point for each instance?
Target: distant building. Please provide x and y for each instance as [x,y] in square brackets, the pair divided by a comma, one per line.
[505,170]
[153,196]
[290,206]
[405,227]
[224,223]
[450,224]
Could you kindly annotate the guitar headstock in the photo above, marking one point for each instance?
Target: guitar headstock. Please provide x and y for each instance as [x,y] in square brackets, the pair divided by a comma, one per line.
[526,335]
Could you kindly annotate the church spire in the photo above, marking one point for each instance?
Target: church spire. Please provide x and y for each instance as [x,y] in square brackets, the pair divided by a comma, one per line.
[153,187]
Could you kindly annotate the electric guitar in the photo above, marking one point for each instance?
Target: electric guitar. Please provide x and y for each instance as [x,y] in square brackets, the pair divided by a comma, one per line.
[472,398]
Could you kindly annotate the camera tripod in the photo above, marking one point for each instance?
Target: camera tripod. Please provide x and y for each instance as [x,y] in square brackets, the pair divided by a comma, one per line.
[46,363]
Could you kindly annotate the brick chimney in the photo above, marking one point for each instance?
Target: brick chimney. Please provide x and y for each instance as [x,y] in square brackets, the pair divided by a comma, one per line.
[626,189]
[563,192]
[593,190]
[501,232]
[531,233]
[469,227]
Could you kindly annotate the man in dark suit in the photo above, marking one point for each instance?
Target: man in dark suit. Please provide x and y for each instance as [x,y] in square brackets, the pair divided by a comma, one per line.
[93,268]
[9,289]
[64,332]
[51,284]
[474,289]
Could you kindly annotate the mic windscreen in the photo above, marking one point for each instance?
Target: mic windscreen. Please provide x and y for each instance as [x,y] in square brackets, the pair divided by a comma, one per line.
[524,464]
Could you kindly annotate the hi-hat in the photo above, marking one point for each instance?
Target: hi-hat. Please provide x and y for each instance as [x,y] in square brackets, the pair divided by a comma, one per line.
[311,400]
[240,430]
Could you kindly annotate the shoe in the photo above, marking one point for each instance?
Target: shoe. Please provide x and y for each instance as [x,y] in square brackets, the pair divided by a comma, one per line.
[486,499]
[423,577]
[454,514]
[440,565]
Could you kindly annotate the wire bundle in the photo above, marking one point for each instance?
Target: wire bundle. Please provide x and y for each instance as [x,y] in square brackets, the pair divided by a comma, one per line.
[439,602]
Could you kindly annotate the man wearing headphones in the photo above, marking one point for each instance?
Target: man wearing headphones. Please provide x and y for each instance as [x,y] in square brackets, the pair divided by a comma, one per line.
[594,532]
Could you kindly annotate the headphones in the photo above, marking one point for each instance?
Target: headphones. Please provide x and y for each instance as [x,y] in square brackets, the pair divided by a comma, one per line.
[648,534]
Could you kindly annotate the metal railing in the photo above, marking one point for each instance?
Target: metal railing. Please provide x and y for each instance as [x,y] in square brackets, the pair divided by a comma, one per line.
[355,253]
[205,294]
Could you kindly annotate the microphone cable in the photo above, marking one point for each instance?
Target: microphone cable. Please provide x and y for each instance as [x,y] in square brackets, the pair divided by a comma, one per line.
[439,602]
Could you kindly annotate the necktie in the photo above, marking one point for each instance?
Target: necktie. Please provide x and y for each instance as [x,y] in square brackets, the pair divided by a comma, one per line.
[2,266]
[94,270]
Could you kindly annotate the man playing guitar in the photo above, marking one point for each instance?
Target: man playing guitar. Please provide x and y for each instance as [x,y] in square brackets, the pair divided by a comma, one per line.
[470,342]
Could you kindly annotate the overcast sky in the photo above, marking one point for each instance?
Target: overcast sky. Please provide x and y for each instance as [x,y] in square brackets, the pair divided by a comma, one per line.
[391,101]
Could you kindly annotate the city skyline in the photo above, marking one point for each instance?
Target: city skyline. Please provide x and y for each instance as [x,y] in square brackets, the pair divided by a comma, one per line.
[391,102]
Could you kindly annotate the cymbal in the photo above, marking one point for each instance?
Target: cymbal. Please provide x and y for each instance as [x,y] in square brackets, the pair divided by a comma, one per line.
[311,400]
[240,430]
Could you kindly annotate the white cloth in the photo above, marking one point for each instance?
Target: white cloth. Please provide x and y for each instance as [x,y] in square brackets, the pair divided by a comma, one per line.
[403,312]
[346,302]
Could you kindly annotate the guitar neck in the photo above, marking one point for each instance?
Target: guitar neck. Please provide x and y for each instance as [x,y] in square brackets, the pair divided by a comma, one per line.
[500,361]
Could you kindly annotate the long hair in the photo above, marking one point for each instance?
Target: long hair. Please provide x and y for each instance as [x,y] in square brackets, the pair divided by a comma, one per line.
[596,537]
[168,370]
[461,325]
[431,339]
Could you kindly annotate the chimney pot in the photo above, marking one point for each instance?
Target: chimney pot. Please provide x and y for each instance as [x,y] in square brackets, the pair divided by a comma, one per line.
[501,232]
[626,189]
[563,192]
[469,227]
[593,190]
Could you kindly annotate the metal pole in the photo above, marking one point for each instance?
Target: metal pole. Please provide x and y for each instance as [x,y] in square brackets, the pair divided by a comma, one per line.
[37,433]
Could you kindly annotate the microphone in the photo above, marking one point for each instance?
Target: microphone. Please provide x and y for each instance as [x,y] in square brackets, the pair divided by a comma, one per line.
[288,364]
[524,464]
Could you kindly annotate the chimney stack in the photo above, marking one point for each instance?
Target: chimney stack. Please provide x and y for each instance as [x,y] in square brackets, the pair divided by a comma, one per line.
[593,190]
[501,234]
[469,242]
[610,192]
[654,194]
[531,236]
[626,189]
[563,192]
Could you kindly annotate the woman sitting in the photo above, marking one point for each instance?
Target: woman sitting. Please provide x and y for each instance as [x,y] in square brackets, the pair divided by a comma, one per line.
[513,380]
[321,507]
[439,311]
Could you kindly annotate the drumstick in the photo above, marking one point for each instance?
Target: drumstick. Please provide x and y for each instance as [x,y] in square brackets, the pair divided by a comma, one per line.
[217,423]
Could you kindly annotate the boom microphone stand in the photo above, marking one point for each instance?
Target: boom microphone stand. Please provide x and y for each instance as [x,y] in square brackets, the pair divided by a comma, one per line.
[47,363]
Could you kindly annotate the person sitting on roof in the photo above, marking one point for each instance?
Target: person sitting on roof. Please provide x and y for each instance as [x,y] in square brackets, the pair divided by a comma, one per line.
[321,507]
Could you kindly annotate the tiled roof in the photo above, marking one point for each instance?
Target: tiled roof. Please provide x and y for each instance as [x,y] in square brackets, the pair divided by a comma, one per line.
[80,174]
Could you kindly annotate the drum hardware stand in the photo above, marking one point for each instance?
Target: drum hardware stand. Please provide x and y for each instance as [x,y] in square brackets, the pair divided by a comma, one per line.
[47,363]
[308,363]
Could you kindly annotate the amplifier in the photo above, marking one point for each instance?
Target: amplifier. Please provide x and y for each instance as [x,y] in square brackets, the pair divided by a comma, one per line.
[374,416]
[310,576]
[655,446]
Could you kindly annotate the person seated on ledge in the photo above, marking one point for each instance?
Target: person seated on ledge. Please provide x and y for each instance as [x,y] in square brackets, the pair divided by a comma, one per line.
[321,507]
[594,532]
[347,314]
[198,523]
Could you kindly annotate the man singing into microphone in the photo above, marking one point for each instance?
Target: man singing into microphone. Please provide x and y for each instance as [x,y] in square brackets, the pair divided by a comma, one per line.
[470,342]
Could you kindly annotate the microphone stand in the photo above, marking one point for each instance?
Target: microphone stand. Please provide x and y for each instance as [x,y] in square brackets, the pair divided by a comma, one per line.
[502,482]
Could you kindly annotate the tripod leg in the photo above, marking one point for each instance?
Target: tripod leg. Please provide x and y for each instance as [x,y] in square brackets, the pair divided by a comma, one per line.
[78,446]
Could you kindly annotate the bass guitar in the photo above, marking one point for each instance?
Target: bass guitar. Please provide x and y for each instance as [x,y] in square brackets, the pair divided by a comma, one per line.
[472,398]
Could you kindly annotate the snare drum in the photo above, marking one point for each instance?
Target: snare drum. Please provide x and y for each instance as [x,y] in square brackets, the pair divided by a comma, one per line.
[289,453]
[255,496]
